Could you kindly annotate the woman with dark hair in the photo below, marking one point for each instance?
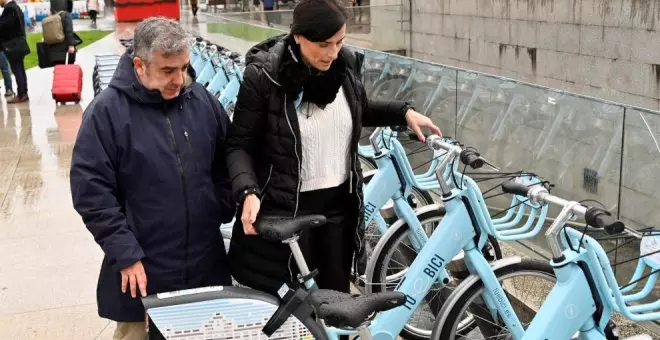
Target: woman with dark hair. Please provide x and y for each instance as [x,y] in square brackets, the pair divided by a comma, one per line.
[292,149]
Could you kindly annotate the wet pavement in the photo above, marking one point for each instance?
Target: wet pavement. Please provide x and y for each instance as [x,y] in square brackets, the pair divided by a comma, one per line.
[49,261]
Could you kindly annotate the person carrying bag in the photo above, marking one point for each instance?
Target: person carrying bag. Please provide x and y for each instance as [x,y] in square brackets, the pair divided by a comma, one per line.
[59,40]
[14,45]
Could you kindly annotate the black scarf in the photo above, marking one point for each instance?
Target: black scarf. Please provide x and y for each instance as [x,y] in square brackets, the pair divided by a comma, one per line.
[318,87]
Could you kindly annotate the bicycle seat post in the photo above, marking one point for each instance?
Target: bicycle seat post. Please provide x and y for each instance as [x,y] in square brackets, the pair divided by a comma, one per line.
[363,331]
[298,255]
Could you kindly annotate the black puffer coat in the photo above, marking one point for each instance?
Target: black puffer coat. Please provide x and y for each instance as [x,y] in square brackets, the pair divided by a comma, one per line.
[264,152]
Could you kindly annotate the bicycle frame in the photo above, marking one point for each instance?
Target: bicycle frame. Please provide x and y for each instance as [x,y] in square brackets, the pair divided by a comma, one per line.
[581,276]
[229,93]
[571,303]
[208,72]
[201,59]
[586,292]
[453,234]
[394,179]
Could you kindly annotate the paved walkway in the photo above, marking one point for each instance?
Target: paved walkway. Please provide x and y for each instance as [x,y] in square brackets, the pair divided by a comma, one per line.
[49,262]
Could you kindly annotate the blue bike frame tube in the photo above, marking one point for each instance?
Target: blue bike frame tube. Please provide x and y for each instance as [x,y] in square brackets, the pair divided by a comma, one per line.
[382,187]
[447,240]
[569,308]
[418,237]
[494,292]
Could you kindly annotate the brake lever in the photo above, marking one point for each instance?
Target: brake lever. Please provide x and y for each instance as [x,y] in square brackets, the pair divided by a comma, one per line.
[491,165]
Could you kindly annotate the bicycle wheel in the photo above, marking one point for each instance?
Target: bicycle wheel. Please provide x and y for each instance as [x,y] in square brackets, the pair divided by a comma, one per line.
[450,323]
[398,251]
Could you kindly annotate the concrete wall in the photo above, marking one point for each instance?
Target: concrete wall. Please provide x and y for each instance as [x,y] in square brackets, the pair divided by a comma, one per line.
[603,48]
[390,25]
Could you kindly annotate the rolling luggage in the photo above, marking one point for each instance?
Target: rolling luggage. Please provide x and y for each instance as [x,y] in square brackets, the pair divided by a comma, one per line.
[67,83]
[51,55]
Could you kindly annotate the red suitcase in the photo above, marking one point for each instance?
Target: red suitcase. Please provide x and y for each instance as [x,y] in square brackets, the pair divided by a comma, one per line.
[67,82]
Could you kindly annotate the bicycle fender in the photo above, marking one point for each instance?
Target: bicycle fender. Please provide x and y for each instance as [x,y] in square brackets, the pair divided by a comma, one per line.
[441,318]
[388,234]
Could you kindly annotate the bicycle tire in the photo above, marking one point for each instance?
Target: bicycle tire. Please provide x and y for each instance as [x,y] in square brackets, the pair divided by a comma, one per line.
[453,307]
[379,257]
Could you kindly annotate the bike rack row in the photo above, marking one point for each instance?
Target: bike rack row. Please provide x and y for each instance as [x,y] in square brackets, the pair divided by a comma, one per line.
[216,68]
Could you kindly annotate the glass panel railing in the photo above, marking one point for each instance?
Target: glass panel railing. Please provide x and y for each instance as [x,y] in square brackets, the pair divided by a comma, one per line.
[428,87]
[385,21]
[574,143]
[640,204]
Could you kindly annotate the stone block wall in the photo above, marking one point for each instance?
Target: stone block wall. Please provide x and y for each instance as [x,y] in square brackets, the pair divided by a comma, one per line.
[608,49]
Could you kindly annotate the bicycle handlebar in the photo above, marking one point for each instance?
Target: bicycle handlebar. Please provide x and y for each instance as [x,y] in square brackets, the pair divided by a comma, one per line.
[468,157]
[602,219]
[595,217]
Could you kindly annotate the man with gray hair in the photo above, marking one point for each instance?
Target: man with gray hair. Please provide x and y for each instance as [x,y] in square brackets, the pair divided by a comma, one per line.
[149,178]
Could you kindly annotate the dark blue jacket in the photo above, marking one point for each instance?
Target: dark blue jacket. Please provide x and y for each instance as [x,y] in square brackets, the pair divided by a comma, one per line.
[149,179]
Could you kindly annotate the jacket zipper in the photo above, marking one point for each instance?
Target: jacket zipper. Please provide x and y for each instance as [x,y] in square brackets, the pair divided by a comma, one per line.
[295,143]
[355,160]
[190,148]
[295,149]
[357,194]
[185,196]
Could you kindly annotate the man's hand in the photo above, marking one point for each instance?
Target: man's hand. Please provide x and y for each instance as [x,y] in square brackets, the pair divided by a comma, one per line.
[71,49]
[416,121]
[134,274]
[251,206]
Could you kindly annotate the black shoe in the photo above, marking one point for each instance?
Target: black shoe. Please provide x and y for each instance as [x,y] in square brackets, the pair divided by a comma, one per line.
[18,99]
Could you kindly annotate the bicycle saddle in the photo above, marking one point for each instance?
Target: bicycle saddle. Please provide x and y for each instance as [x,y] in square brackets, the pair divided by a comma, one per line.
[339,309]
[279,228]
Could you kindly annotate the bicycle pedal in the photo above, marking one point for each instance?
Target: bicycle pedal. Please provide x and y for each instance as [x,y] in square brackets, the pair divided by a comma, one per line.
[639,337]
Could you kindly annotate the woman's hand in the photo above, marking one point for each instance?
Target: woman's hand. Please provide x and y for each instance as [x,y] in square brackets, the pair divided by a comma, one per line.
[71,50]
[251,206]
[416,121]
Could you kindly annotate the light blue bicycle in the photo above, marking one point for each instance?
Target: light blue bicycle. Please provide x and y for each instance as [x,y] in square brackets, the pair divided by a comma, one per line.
[230,312]
[398,249]
[391,186]
[580,304]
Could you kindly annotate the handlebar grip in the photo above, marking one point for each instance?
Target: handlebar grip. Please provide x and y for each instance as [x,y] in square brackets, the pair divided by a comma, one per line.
[602,219]
[399,128]
[472,158]
[511,187]
[199,39]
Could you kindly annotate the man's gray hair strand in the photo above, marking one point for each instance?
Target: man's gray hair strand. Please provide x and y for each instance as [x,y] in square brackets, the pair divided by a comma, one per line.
[162,34]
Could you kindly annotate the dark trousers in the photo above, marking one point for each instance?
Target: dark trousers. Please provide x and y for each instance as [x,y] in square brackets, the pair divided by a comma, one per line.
[270,16]
[92,15]
[18,69]
[329,248]
[4,68]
